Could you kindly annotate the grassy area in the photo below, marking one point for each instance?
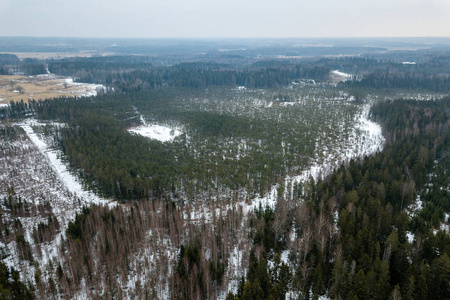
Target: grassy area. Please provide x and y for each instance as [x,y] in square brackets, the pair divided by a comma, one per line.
[16,88]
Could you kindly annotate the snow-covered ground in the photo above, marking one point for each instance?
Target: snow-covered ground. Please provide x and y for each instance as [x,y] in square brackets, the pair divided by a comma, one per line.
[71,182]
[157,132]
[40,177]
[365,139]
[336,76]
[82,89]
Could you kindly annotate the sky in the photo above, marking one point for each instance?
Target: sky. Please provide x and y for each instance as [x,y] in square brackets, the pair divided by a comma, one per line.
[225,18]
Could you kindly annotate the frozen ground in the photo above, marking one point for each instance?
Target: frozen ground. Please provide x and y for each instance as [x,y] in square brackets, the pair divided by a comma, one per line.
[39,176]
[336,76]
[68,196]
[154,131]
[82,89]
[53,157]
[365,139]
[157,132]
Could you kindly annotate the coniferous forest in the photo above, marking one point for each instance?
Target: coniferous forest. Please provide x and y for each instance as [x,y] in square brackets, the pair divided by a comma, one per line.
[229,176]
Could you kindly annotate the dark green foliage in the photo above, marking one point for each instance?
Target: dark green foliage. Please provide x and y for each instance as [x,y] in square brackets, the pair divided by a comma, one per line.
[116,163]
[74,229]
[372,218]
[218,124]
[15,110]
[24,247]
[10,285]
[189,271]
[136,73]
[122,165]
[45,231]
[217,270]
[264,282]
[439,83]
[33,67]
[264,233]
[9,59]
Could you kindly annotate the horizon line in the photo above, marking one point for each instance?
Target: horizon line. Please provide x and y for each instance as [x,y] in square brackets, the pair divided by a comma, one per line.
[228,37]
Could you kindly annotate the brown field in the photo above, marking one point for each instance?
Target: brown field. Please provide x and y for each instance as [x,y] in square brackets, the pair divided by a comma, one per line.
[17,88]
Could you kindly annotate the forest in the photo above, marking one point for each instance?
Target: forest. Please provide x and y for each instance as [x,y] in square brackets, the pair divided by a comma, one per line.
[132,167]
[276,183]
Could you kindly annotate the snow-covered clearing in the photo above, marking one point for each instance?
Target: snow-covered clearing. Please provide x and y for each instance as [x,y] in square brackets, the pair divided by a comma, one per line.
[81,89]
[157,132]
[410,237]
[336,76]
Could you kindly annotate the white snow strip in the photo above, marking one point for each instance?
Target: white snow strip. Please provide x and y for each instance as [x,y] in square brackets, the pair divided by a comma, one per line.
[53,156]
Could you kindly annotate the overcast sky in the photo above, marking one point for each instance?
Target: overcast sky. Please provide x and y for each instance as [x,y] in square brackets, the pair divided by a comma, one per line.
[225,18]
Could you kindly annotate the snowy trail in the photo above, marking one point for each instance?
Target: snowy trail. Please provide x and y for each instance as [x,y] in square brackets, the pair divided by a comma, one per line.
[53,183]
[72,183]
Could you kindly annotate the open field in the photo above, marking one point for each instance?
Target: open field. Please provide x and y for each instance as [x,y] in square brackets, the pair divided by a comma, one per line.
[40,87]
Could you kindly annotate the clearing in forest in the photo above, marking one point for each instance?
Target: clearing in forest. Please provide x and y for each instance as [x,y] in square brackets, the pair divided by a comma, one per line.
[40,87]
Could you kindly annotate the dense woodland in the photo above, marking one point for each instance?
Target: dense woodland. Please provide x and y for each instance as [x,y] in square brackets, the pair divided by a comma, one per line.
[10,64]
[374,228]
[406,81]
[132,167]
[370,256]
[132,75]
[365,253]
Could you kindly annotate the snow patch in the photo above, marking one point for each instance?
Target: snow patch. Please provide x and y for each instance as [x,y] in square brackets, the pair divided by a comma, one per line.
[410,237]
[157,132]
[336,76]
